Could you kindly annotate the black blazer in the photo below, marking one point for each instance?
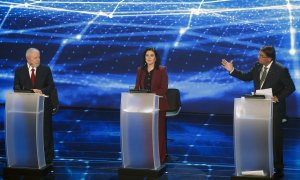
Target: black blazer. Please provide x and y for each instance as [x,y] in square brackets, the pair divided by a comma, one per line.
[44,80]
[278,78]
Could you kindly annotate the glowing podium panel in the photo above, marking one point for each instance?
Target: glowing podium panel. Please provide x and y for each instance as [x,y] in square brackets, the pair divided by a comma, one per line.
[139,131]
[24,113]
[253,140]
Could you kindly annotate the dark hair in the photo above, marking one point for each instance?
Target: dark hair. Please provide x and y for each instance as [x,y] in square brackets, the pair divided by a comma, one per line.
[269,51]
[157,57]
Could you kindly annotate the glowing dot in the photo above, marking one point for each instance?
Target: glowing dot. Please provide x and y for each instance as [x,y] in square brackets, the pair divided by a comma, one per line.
[176,44]
[183,30]
[292,30]
[78,36]
[292,51]
[195,11]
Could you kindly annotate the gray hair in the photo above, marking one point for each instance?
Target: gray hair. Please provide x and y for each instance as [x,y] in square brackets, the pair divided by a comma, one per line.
[30,50]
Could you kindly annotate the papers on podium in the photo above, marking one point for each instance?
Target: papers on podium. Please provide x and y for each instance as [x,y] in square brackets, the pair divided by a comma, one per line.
[43,95]
[267,92]
[253,173]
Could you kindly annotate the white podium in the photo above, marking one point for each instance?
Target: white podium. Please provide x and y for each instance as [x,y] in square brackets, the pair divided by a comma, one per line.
[253,138]
[24,113]
[139,131]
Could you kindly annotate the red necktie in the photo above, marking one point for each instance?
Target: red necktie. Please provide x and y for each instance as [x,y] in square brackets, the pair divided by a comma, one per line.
[32,78]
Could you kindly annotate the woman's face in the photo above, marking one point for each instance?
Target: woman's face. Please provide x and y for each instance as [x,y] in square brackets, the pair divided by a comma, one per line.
[150,57]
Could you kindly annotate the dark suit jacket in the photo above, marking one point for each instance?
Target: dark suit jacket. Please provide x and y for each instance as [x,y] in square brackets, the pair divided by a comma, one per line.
[44,81]
[278,78]
[159,84]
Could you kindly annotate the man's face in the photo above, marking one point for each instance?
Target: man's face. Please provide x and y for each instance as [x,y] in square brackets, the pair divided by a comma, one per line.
[33,59]
[263,59]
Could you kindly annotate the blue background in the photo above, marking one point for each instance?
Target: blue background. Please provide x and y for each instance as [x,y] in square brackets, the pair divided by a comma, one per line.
[94,48]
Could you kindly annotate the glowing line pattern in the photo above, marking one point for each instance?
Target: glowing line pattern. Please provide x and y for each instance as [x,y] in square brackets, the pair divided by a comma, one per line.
[95,47]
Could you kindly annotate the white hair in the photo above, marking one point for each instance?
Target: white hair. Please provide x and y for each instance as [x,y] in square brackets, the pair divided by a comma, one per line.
[30,50]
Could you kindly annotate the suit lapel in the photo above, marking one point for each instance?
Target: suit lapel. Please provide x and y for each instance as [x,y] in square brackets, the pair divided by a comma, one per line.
[143,74]
[26,76]
[154,79]
[269,76]
[38,77]
[257,77]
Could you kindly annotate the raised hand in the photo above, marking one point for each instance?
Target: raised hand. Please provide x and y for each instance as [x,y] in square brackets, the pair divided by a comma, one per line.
[227,65]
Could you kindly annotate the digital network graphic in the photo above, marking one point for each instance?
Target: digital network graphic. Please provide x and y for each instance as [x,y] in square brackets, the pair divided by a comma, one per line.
[95,47]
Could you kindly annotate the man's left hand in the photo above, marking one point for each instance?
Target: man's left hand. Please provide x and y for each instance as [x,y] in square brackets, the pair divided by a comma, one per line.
[275,99]
[37,91]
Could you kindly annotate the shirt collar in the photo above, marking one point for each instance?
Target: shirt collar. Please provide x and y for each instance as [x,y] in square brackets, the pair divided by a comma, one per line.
[268,66]
[29,67]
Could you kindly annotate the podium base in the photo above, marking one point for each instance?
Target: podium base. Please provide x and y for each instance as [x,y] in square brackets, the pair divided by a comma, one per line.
[9,172]
[250,178]
[125,172]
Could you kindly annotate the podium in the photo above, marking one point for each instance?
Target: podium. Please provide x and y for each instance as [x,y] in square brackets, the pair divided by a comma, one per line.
[253,138]
[24,138]
[139,134]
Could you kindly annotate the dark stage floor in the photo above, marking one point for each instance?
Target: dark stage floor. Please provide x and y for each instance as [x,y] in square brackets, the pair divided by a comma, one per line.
[87,146]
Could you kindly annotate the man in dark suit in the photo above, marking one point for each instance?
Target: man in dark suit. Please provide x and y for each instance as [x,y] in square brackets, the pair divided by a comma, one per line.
[38,78]
[268,73]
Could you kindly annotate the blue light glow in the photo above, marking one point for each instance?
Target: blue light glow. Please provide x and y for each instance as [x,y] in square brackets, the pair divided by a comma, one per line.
[94,48]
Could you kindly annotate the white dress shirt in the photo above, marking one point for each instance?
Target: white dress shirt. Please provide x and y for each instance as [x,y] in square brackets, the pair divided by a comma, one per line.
[29,70]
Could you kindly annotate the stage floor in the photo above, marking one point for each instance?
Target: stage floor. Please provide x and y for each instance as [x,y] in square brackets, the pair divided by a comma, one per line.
[200,146]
